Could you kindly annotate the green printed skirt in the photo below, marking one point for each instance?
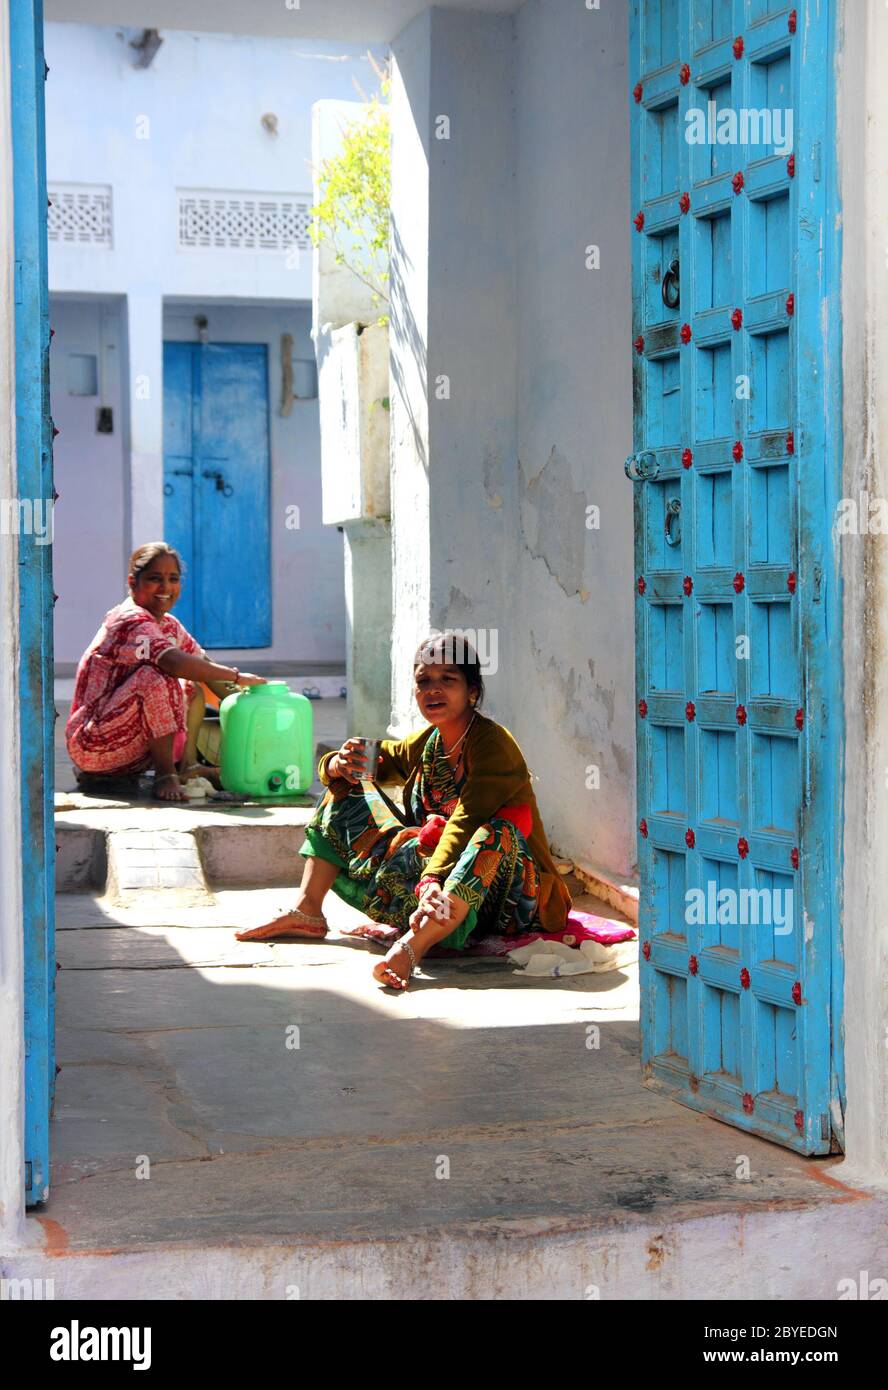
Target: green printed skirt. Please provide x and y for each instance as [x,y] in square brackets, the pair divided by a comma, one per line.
[381,861]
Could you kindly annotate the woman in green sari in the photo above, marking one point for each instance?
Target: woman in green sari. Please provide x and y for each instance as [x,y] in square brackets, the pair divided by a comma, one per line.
[469,856]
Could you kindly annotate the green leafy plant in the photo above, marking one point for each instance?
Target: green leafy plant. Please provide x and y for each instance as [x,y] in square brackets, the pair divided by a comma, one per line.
[353,214]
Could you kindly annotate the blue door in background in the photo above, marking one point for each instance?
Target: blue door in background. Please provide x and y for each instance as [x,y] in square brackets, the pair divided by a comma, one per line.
[736,475]
[35,484]
[216,488]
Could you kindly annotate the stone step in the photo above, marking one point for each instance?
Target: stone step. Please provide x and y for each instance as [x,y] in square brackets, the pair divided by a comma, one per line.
[150,854]
[148,863]
[127,851]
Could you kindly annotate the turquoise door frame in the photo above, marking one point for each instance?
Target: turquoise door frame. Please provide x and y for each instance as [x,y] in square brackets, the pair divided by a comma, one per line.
[35,485]
[736,474]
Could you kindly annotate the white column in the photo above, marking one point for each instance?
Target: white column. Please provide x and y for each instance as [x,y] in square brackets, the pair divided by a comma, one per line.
[863,152]
[144,312]
[353,382]
[368,597]
[409,338]
[12,1023]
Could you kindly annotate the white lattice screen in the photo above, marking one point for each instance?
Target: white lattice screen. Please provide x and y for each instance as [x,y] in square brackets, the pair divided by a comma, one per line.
[79,214]
[228,221]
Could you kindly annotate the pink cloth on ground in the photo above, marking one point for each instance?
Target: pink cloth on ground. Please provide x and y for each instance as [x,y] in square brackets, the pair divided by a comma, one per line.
[581,926]
[586,926]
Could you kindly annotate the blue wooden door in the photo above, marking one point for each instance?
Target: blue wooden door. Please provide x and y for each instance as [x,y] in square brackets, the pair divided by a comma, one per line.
[35,488]
[736,474]
[216,488]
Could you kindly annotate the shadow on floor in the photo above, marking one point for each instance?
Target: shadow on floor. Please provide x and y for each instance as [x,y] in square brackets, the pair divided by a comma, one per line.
[277,1091]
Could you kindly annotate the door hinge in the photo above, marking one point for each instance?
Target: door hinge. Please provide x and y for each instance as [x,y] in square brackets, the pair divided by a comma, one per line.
[815,161]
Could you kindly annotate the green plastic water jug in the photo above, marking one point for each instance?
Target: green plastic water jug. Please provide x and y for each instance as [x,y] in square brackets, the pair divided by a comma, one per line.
[267,741]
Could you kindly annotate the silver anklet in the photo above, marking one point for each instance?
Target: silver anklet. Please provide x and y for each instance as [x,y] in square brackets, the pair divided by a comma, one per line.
[405,946]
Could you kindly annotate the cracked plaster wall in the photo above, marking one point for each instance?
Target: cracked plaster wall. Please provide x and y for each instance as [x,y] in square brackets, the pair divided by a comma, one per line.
[538,419]
[574,583]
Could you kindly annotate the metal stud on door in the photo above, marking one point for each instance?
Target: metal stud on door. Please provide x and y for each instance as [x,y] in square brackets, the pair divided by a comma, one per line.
[738,686]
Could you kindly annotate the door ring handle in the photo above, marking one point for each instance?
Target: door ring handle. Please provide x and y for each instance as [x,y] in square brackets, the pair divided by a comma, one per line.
[673,513]
[671,287]
[167,489]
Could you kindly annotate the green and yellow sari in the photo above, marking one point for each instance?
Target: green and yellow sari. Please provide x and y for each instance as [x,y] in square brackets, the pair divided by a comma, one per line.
[381,858]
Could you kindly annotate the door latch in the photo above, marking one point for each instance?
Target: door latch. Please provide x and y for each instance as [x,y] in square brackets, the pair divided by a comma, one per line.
[221,486]
[175,473]
[641,467]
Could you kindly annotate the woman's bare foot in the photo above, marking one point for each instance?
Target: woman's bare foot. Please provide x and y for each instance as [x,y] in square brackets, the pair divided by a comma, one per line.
[395,970]
[167,787]
[294,923]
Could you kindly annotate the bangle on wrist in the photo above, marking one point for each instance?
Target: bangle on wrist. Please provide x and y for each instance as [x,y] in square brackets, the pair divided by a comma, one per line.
[424,882]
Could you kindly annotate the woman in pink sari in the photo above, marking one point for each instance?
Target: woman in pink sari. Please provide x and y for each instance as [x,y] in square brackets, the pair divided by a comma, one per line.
[136,702]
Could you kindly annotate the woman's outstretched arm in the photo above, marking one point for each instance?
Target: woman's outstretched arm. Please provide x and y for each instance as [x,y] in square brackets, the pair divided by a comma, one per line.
[185,666]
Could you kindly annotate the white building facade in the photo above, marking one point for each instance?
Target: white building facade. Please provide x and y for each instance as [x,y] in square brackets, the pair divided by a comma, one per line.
[180,206]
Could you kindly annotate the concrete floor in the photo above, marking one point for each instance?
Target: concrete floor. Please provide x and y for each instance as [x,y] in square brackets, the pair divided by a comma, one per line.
[473,1098]
[459,1140]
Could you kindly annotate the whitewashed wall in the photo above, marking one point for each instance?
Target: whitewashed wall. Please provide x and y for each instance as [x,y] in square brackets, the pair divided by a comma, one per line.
[453,341]
[490,485]
[190,120]
[575,607]
[90,545]
[863,156]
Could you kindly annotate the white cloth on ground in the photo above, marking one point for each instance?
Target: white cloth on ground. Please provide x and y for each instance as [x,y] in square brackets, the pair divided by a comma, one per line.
[553,958]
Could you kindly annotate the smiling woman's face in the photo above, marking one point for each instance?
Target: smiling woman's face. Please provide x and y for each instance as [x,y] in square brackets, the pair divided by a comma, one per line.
[158,585]
[442,692]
